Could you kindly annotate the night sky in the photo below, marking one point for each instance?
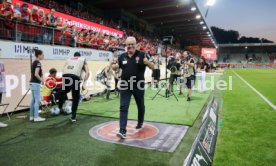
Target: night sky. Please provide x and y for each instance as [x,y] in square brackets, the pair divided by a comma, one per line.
[252,18]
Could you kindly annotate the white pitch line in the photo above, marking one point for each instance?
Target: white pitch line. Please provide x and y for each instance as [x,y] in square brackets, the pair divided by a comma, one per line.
[255,90]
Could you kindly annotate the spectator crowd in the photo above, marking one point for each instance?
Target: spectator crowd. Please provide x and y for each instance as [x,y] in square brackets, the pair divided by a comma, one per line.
[35,25]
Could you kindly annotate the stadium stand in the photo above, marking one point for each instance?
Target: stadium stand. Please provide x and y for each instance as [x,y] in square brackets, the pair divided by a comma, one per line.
[35,26]
[244,58]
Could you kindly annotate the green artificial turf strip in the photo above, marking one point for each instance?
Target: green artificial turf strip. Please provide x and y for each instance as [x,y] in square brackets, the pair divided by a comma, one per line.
[247,134]
[158,110]
[58,142]
[264,80]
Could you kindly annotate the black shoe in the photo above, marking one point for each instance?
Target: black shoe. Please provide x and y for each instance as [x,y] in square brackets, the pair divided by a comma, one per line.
[122,134]
[139,127]
[189,99]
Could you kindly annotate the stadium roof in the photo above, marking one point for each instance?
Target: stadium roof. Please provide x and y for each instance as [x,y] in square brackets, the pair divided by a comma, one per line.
[180,18]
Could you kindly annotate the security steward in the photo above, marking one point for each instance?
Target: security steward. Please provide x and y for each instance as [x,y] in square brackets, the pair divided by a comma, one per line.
[71,79]
[133,64]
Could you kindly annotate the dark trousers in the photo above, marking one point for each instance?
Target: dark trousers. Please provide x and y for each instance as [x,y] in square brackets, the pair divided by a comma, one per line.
[125,96]
[116,84]
[60,98]
[74,87]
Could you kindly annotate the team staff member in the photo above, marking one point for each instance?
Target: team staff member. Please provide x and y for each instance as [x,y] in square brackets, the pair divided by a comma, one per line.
[35,82]
[189,73]
[133,64]
[72,72]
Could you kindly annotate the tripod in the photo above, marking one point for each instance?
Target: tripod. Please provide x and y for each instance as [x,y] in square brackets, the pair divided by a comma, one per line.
[168,94]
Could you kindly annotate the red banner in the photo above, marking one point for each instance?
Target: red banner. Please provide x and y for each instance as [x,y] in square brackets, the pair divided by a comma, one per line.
[80,23]
[209,53]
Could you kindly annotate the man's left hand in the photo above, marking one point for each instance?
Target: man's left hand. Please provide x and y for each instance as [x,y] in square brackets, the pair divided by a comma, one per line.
[146,61]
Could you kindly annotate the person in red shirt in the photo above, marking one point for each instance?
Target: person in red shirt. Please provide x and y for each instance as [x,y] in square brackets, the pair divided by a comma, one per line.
[87,39]
[59,24]
[7,13]
[67,34]
[95,39]
[81,39]
[52,85]
[42,16]
[36,18]
[101,39]
[6,10]
[1,6]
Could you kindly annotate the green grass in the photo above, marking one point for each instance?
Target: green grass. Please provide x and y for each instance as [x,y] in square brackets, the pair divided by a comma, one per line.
[247,136]
[58,142]
[158,110]
[264,80]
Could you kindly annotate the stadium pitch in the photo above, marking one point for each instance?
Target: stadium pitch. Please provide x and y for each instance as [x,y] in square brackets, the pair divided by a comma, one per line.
[58,142]
[247,122]
[245,138]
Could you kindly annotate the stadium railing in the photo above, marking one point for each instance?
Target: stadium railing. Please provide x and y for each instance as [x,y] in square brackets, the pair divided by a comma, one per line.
[24,32]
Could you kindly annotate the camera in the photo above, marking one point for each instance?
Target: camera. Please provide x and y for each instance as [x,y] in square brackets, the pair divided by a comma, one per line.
[173,65]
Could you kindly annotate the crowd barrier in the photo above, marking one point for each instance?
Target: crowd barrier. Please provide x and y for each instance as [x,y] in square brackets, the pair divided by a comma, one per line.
[24,32]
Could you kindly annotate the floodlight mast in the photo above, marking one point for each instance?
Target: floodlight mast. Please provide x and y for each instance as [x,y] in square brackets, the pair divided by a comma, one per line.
[209,4]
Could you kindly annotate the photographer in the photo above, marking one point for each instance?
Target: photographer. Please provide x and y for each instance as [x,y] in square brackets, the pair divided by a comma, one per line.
[203,67]
[71,79]
[189,73]
[156,71]
[174,65]
[117,72]
[105,77]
